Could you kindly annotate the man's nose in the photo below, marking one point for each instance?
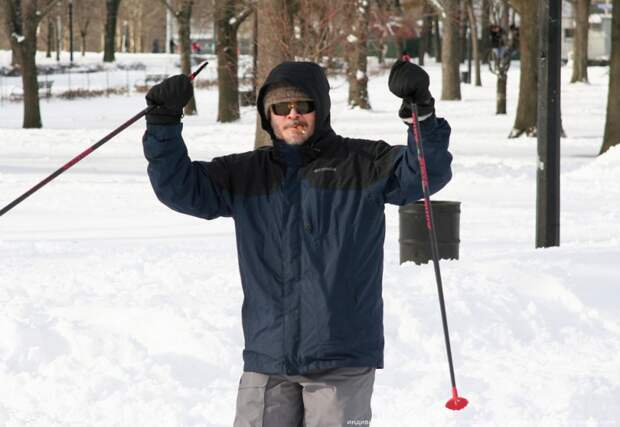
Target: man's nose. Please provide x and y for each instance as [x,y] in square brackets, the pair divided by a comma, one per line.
[293,113]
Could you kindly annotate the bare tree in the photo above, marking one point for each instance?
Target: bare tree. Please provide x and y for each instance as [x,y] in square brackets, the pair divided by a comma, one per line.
[381,27]
[110,30]
[527,107]
[580,43]
[22,18]
[386,21]
[426,33]
[473,25]
[451,85]
[275,31]
[84,12]
[612,124]
[183,16]
[485,22]
[463,24]
[501,49]
[320,33]
[437,40]
[228,17]
[50,38]
[357,52]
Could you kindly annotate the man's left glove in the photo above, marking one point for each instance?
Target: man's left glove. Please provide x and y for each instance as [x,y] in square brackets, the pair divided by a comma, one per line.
[169,97]
[410,82]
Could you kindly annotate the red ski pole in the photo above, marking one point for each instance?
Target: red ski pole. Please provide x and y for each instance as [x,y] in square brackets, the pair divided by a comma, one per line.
[456,402]
[87,151]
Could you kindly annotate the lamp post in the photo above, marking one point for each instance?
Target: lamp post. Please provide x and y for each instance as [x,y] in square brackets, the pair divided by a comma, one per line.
[549,126]
[71,31]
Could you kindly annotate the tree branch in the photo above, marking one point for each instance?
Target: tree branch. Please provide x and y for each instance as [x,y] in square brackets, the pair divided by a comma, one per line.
[40,15]
[242,17]
[165,3]
[438,6]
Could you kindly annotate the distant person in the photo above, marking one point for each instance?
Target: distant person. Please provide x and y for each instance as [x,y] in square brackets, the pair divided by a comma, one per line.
[156,46]
[173,46]
[196,47]
[496,33]
[310,226]
[514,36]
[498,42]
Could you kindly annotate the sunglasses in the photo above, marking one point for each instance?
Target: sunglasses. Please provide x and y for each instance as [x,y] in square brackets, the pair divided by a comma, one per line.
[283,108]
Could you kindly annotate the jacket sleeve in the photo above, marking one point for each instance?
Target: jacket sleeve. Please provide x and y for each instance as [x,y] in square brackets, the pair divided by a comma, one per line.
[399,164]
[190,187]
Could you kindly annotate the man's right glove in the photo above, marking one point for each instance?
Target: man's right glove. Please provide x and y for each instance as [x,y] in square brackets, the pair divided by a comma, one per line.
[169,97]
[410,82]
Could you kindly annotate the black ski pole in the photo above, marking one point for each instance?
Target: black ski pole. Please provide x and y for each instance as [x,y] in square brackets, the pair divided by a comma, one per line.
[87,151]
[455,403]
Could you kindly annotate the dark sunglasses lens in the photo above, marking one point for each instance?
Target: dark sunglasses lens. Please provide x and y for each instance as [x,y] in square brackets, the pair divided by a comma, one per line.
[283,108]
[304,107]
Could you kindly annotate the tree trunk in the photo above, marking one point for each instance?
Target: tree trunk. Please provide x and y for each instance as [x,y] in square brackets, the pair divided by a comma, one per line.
[357,60]
[437,39]
[500,106]
[473,25]
[184,18]
[110,30]
[275,31]
[462,30]
[580,45]
[527,107]
[50,39]
[22,19]
[83,43]
[451,85]
[227,62]
[612,124]
[381,53]
[425,36]
[485,23]
[32,112]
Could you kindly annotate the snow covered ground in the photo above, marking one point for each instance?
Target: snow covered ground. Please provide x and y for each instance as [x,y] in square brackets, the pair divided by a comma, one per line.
[119,311]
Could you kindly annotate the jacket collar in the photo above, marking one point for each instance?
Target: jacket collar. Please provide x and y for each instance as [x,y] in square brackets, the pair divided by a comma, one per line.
[315,147]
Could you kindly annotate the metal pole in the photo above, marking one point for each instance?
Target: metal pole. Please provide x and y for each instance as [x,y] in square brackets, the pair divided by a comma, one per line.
[457,402]
[71,31]
[549,126]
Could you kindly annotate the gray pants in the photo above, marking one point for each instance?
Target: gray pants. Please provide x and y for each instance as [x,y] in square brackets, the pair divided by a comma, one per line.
[327,398]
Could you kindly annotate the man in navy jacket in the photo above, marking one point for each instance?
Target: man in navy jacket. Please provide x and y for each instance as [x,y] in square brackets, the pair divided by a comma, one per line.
[310,227]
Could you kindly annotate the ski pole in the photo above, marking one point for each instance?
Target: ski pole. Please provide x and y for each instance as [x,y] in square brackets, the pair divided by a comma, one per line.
[88,151]
[456,402]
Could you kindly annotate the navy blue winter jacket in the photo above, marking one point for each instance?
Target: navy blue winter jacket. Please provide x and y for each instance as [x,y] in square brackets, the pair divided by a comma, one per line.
[310,227]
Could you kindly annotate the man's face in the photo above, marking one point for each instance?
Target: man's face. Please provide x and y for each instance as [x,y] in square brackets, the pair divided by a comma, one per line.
[293,128]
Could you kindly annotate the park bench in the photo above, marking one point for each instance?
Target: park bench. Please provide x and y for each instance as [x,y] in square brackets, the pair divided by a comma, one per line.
[17,93]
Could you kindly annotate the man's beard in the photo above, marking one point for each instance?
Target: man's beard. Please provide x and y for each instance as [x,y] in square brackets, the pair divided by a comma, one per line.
[301,126]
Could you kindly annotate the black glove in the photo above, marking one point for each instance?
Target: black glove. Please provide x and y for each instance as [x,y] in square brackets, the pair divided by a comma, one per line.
[410,82]
[424,110]
[169,97]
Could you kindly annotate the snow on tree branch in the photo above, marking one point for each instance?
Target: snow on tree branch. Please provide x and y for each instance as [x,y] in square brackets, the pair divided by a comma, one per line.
[19,38]
[351,38]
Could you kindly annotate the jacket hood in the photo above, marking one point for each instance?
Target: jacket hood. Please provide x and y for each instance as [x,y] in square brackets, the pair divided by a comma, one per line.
[309,77]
